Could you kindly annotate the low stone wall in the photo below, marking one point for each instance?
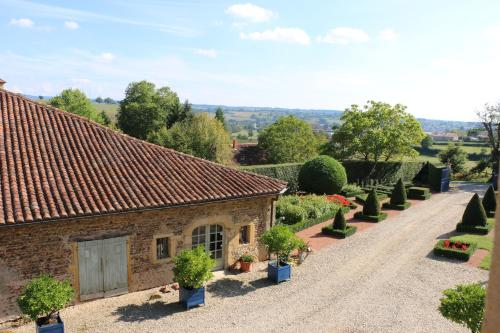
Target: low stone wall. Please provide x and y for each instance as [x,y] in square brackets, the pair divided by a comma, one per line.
[27,251]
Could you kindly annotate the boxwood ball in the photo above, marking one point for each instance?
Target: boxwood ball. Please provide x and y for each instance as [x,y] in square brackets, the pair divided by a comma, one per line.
[322,175]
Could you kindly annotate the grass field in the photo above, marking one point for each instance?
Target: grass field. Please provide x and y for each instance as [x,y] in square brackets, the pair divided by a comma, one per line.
[432,154]
[110,109]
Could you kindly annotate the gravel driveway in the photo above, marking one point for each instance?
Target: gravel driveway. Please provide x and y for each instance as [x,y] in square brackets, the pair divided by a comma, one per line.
[382,280]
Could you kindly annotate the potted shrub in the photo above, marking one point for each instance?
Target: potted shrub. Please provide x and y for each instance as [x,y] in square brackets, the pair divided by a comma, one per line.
[371,209]
[474,219]
[398,199]
[339,228]
[41,300]
[280,241]
[490,202]
[246,261]
[192,269]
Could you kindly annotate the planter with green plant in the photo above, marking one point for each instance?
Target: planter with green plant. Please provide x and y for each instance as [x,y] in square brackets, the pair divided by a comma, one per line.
[41,300]
[246,261]
[398,199]
[371,209]
[490,202]
[192,269]
[474,219]
[339,228]
[279,241]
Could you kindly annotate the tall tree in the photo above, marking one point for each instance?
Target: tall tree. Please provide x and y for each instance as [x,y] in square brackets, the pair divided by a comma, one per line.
[109,100]
[375,132]
[99,100]
[75,101]
[427,142]
[200,135]
[455,156]
[490,117]
[145,109]
[180,113]
[219,115]
[289,139]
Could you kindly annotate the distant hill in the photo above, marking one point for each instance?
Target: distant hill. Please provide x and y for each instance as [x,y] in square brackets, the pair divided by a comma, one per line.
[259,117]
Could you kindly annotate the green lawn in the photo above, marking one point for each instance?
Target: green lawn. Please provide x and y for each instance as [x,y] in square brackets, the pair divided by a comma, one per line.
[483,242]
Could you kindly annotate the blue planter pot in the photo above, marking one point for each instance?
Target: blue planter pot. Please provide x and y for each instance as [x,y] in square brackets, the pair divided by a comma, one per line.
[51,328]
[192,297]
[280,273]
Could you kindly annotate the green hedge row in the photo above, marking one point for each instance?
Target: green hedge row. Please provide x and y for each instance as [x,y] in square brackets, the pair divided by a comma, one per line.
[310,222]
[288,172]
[349,231]
[442,251]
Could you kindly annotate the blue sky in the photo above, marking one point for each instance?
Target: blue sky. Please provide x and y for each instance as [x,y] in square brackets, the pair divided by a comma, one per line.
[440,58]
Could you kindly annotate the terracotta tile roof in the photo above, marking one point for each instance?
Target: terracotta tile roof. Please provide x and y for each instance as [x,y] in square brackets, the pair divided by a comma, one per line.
[57,165]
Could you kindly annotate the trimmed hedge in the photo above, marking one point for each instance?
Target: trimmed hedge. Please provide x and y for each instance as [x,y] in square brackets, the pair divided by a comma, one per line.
[322,175]
[287,172]
[339,222]
[474,214]
[404,206]
[490,201]
[294,214]
[419,193]
[362,197]
[384,171]
[340,233]
[474,229]
[372,205]
[442,251]
[398,196]
[371,218]
[310,222]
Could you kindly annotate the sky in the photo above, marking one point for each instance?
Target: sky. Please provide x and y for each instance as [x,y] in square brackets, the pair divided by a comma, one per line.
[439,58]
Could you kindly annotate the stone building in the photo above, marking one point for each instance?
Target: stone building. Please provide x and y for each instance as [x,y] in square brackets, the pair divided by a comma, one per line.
[108,211]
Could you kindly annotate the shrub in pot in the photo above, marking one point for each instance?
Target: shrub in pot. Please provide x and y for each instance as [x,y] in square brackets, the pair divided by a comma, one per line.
[339,228]
[490,201]
[246,261]
[322,175]
[474,219]
[41,300]
[192,269]
[371,209]
[280,241]
[398,199]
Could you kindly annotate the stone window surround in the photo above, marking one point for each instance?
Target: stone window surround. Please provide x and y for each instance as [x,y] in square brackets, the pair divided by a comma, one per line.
[172,243]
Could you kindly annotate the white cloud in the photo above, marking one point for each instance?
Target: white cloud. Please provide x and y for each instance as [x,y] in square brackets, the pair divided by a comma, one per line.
[106,57]
[211,53]
[287,35]
[388,34]
[344,35]
[250,12]
[22,22]
[71,25]
[493,33]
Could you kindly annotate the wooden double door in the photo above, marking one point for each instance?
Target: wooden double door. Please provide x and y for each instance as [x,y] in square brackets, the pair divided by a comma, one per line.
[102,267]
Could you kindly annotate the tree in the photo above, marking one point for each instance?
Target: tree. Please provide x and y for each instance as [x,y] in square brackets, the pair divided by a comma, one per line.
[75,101]
[427,142]
[201,136]
[40,97]
[378,131]
[192,268]
[109,100]
[145,109]
[180,113]
[490,117]
[289,139]
[322,175]
[219,115]
[99,100]
[455,156]
[281,241]
[465,305]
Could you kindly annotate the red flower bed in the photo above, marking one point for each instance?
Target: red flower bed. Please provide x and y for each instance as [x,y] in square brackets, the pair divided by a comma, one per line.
[337,198]
[455,245]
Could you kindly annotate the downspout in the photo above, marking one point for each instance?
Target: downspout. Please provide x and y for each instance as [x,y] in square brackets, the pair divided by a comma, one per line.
[272,218]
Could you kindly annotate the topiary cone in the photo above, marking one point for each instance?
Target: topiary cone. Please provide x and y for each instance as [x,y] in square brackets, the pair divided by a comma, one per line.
[372,206]
[474,214]
[339,221]
[490,200]
[398,196]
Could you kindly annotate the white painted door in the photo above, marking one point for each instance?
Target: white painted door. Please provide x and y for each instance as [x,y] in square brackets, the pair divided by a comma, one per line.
[102,268]
[212,238]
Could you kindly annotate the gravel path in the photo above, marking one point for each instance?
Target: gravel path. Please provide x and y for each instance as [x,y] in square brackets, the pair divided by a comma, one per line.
[381,280]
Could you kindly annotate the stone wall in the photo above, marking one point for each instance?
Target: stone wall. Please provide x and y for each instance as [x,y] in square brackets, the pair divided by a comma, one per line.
[27,251]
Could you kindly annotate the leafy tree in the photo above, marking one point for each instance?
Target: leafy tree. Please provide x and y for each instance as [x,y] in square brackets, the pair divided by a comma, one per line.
[281,241]
[44,296]
[99,100]
[193,268]
[75,101]
[145,109]
[105,118]
[377,131]
[465,305]
[40,97]
[109,100]
[180,113]
[427,142]
[219,115]
[490,117]
[201,136]
[455,156]
[289,139]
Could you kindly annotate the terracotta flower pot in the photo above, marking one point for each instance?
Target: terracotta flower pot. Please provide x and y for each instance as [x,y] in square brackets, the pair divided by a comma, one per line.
[245,266]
